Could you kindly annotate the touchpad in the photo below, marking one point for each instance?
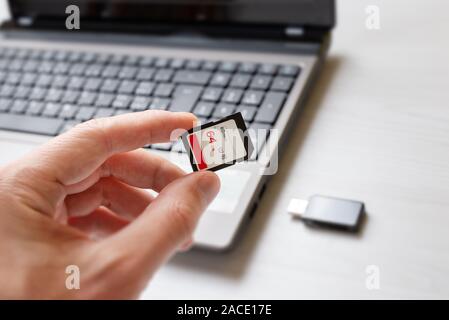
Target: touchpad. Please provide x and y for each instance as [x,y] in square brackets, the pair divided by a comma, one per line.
[233,183]
[12,150]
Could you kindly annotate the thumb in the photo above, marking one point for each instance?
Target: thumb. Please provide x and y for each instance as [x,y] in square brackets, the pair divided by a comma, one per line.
[168,221]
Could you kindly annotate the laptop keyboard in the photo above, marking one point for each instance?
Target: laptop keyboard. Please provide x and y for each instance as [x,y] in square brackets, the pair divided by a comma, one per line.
[48,92]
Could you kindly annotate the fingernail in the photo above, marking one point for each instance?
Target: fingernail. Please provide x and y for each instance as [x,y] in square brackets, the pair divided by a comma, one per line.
[209,184]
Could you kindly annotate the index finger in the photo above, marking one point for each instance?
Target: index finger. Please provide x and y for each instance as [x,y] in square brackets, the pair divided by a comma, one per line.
[73,156]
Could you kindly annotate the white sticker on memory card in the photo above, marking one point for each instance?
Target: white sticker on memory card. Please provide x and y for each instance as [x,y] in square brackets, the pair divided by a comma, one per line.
[218,144]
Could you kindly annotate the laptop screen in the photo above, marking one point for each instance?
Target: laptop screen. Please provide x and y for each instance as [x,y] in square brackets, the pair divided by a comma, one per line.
[314,13]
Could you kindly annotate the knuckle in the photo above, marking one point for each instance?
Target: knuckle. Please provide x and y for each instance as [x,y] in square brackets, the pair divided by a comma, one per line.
[96,129]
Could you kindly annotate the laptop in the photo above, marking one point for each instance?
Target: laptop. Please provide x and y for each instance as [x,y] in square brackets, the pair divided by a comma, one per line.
[212,57]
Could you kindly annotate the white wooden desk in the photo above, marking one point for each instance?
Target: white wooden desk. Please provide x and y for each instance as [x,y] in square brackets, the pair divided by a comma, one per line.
[376,129]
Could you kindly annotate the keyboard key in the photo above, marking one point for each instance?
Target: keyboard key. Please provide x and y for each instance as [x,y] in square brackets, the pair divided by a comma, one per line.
[122,101]
[5,104]
[53,95]
[29,79]
[6,91]
[117,59]
[185,98]
[223,110]
[145,74]
[163,75]
[37,93]
[220,79]
[161,62]
[210,65]
[31,66]
[22,53]
[93,84]
[270,108]
[60,81]
[94,70]
[192,77]
[89,57]
[44,80]
[248,67]
[253,97]
[110,85]
[85,113]
[240,81]
[51,109]
[268,69]
[48,54]
[127,87]
[177,63]
[22,92]
[104,113]
[111,71]
[160,104]
[104,100]
[46,67]
[4,64]
[76,83]
[193,64]
[103,58]
[232,96]
[61,55]
[146,61]
[212,94]
[68,111]
[61,68]
[13,78]
[19,106]
[35,108]
[77,69]
[127,72]
[228,66]
[164,90]
[261,82]
[10,52]
[289,70]
[132,60]
[35,54]
[30,124]
[16,65]
[87,98]
[145,88]
[282,84]
[204,109]
[140,103]
[248,112]
[74,56]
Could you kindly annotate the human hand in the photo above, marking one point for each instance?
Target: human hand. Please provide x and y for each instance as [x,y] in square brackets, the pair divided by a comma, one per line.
[79,200]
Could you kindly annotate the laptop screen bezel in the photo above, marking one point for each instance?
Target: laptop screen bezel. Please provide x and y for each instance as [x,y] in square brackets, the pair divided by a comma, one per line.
[105,14]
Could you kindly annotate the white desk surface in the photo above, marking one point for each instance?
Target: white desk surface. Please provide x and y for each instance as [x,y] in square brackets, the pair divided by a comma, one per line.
[376,128]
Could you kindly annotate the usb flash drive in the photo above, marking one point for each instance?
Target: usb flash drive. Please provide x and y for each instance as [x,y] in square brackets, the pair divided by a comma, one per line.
[328,211]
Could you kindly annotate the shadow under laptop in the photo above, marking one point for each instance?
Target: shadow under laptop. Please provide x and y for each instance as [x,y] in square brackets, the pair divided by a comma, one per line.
[233,263]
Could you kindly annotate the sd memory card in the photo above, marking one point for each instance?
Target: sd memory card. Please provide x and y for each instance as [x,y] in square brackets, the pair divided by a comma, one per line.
[217,145]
